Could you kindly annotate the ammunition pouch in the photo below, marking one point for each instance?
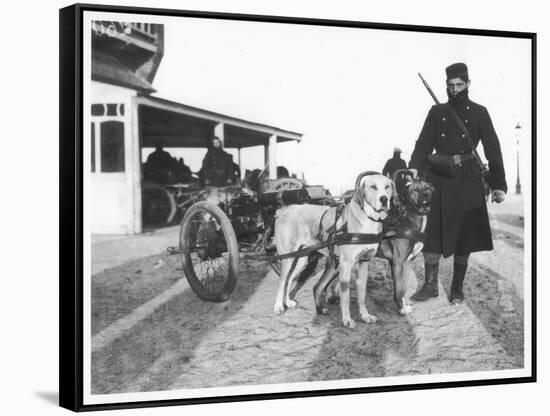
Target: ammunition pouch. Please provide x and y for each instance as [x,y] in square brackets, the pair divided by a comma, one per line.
[445,165]
[442,165]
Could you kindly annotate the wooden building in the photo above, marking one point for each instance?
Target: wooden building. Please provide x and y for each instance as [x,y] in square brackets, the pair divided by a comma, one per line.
[125,118]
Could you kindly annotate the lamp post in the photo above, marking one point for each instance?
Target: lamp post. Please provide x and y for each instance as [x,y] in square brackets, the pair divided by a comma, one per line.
[518,133]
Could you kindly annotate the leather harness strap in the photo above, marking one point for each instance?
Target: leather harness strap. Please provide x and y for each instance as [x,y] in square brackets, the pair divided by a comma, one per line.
[411,234]
[336,237]
[399,221]
[341,236]
[340,239]
[332,230]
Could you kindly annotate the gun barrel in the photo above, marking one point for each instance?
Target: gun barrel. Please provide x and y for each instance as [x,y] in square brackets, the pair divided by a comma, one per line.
[428,88]
[286,197]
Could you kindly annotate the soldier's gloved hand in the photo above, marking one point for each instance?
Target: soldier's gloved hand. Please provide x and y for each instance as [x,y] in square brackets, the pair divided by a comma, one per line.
[414,172]
[498,196]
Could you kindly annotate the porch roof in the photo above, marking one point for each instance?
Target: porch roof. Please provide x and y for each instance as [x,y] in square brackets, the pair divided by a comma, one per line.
[174,124]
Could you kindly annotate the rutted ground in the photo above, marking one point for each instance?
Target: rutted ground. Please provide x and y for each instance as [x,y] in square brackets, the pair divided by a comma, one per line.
[188,343]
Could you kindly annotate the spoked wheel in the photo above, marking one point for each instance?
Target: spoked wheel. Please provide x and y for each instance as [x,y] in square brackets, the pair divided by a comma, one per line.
[158,205]
[209,252]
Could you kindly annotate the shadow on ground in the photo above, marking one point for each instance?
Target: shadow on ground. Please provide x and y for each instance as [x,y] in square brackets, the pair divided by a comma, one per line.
[118,291]
[369,350]
[511,219]
[157,350]
[496,304]
[189,343]
[509,238]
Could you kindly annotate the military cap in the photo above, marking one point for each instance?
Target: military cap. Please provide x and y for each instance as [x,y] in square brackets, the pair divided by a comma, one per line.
[458,70]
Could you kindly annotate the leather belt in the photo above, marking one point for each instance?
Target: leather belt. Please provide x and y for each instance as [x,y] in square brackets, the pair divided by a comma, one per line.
[458,159]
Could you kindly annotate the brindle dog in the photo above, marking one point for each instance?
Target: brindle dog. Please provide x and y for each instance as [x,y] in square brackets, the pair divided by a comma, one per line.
[408,222]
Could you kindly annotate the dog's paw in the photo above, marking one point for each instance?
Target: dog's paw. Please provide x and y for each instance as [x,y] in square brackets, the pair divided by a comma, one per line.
[348,323]
[291,303]
[279,309]
[368,318]
[406,309]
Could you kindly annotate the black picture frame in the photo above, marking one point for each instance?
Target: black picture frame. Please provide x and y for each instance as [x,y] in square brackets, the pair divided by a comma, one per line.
[71,204]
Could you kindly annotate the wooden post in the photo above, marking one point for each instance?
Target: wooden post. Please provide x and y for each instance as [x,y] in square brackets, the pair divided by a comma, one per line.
[133,115]
[299,164]
[272,156]
[219,132]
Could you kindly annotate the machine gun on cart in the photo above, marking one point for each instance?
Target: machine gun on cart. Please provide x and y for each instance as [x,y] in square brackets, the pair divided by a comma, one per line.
[213,234]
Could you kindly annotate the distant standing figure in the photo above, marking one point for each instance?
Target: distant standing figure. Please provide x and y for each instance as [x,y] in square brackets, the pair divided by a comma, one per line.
[393,164]
[217,165]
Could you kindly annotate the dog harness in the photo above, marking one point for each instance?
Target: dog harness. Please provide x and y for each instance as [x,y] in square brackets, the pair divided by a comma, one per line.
[341,236]
[397,225]
[399,220]
[335,237]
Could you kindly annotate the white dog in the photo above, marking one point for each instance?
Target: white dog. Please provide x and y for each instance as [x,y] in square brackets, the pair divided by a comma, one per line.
[299,226]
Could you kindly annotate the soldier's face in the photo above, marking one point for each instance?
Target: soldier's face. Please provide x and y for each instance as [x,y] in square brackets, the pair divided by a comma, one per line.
[456,85]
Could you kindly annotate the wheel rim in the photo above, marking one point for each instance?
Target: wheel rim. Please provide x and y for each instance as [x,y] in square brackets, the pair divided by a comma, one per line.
[158,206]
[205,250]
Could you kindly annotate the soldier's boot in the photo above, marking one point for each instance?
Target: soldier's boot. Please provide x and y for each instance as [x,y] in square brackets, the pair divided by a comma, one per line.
[430,289]
[460,267]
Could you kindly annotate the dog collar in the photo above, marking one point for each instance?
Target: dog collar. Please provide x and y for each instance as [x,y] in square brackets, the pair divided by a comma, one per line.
[375,220]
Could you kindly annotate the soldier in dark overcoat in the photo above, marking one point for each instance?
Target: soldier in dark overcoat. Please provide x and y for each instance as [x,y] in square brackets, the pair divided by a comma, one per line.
[458,223]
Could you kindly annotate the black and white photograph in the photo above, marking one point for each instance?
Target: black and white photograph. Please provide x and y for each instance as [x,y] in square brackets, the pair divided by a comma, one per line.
[277,206]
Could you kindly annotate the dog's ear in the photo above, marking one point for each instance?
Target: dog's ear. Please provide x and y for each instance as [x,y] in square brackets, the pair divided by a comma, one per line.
[359,194]
[393,193]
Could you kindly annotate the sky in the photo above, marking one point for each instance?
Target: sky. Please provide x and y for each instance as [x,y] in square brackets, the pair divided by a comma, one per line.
[353,93]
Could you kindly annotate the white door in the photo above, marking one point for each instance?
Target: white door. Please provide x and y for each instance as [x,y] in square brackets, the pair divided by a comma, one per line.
[112,196]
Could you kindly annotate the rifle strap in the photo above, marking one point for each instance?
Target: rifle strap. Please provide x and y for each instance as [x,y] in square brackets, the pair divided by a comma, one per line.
[469,140]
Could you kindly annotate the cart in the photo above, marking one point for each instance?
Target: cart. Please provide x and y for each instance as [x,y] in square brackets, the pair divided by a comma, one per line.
[215,233]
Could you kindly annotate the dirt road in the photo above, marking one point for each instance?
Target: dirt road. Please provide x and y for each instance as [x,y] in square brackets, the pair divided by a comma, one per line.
[150,331]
